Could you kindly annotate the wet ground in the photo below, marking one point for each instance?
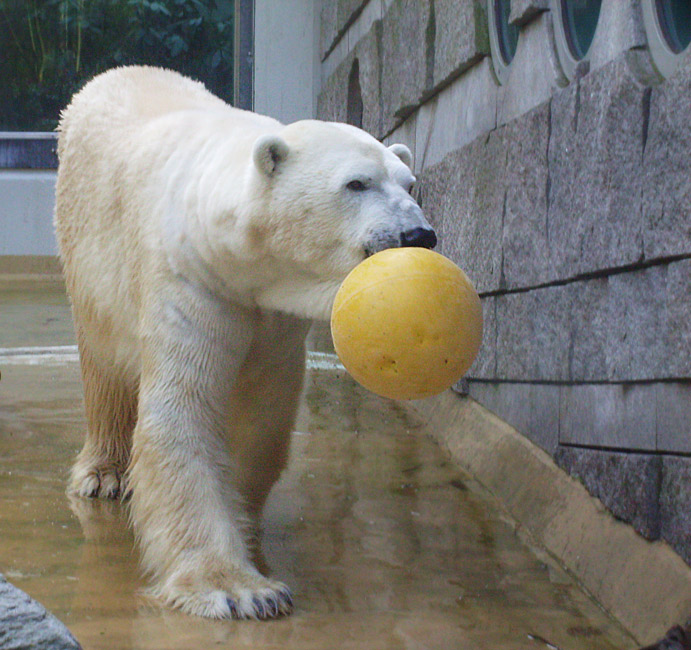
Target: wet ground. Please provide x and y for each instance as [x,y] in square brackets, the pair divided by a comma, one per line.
[385,543]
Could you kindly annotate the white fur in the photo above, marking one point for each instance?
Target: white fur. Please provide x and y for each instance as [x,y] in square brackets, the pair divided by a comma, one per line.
[197,239]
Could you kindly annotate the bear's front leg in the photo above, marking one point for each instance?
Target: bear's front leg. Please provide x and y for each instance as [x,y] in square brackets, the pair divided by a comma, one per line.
[187,514]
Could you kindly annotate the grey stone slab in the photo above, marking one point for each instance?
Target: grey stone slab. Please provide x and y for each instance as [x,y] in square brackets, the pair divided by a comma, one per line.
[627,484]
[675,504]
[485,365]
[460,37]
[673,407]
[608,415]
[468,221]
[625,327]
[472,205]
[595,164]
[667,182]
[523,11]
[25,623]
[526,236]
[406,48]
[368,53]
[333,98]
[328,26]
[532,409]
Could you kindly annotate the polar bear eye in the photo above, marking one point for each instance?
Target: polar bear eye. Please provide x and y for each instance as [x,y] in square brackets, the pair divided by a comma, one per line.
[356,186]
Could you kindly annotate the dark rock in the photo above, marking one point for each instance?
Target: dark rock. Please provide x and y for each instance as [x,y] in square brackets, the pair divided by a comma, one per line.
[24,623]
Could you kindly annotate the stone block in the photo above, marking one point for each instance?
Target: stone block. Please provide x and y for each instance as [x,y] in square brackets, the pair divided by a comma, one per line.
[532,409]
[24,623]
[462,193]
[627,484]
[406,48]
[667,181]
[460,37]
[673,407]
[595,164]
[608,415]
[523,11]
[675,504]
[630,326]
[534,73]
[449,121]
[485,365]
[525,235]
[333,99]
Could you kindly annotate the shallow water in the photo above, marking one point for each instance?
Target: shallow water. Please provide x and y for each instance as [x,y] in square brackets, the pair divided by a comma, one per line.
[385,543]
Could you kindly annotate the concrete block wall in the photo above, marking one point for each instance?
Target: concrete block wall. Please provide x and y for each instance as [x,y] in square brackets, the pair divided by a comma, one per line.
[568,203]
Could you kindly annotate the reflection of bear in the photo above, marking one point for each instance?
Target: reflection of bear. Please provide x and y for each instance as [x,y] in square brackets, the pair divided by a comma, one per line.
[196,240]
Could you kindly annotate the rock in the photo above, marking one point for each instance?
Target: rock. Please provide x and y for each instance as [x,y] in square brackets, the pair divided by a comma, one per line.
[26,624]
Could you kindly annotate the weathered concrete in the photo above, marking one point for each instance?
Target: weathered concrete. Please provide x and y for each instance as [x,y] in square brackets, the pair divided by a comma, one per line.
[25,624]
[673,409]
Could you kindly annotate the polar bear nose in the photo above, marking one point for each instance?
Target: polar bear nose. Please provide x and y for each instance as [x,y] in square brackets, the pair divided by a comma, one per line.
[422,237]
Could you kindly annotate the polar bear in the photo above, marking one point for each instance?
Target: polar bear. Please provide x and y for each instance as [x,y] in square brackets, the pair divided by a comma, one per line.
[198,240]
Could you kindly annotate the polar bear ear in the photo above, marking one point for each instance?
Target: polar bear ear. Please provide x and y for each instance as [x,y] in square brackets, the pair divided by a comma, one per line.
[403,153]
[269,152]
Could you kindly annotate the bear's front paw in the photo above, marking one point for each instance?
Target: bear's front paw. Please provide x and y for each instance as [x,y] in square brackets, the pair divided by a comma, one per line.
[246,595]
[94,482]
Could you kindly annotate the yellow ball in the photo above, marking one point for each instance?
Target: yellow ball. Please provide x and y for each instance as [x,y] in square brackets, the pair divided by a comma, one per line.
[407,323]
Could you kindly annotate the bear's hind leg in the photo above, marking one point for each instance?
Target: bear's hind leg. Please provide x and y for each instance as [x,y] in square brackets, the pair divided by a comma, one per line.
[111,406]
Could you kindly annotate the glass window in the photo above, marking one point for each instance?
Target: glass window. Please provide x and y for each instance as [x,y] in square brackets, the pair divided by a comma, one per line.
[668,28]
[50,48]
[507,33]
[674,17]
[503,37]
[580,21]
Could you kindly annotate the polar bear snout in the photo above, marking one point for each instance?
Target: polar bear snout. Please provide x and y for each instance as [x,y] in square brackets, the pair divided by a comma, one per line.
[422,237]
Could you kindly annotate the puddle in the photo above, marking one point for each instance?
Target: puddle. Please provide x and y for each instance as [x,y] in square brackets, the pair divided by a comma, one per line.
[385,543]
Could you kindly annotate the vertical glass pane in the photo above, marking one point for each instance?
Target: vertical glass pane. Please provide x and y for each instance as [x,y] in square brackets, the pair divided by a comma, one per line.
[507,33]
[580,20]
[675,21]
[50,48]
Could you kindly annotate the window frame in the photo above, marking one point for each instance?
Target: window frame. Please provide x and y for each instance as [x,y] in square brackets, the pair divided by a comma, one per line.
[663,57]
[570,65]
[502,68]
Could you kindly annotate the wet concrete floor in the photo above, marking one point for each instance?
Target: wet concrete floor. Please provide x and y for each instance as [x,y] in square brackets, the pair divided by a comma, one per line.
[385,543]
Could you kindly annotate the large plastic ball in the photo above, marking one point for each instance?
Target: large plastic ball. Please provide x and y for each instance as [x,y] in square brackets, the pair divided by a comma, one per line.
[407,323]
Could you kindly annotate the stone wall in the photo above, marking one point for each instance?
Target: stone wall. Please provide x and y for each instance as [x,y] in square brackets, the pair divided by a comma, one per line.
[568,203]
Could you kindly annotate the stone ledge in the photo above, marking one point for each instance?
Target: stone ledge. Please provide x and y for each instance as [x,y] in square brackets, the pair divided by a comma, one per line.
[608,557]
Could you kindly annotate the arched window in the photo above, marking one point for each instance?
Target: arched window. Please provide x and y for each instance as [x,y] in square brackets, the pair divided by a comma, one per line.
[668,27]
[575,22]
[354,107]
[503,37]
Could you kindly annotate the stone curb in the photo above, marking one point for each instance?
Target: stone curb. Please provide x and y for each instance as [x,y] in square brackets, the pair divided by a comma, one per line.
[644,585]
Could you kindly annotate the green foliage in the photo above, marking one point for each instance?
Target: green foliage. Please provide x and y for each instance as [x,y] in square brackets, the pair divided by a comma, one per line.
[50,48]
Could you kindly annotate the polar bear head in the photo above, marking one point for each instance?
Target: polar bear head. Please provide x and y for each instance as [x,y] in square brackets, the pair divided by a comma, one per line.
[327,196]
